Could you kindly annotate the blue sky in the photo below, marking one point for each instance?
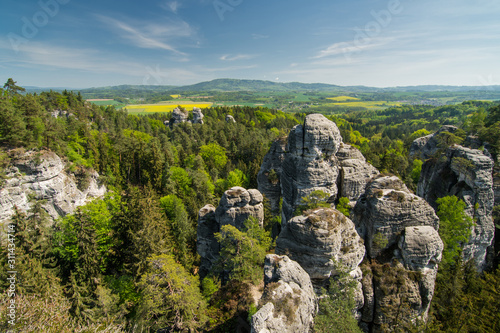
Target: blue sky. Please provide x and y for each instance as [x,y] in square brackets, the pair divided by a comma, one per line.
[78,44]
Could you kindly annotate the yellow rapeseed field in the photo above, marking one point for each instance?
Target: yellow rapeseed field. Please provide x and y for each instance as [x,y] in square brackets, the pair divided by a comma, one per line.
[343,98]
[366,104]
[164,107]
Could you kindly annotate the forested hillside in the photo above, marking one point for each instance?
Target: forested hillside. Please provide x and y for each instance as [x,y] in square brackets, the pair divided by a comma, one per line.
[127,262]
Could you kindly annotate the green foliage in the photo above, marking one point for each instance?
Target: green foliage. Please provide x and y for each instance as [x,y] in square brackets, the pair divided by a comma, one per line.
[234,178]
[183,233]
[416,170]
[315,199]
[170,297]
[214,156]
[343,206]
[242,253]
[337,305]
[379,241]
[454,227]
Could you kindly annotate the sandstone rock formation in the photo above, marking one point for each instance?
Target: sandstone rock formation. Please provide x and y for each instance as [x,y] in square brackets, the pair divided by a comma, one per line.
[178,116]
[355,172]
[319,239]
[425,147]
[314,158]
[269,175]
[467,174]
[230,119]
[197,116]
[385,210]
[42,175]
[235,207]
[288,302]
[206,244]
[401,238]
[310,163]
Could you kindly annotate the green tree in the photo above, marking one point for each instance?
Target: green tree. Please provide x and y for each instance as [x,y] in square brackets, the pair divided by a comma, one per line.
[170,297]
[454,227]
[214,156]
[242,253]
[343,206]
[12,88]
[337,305]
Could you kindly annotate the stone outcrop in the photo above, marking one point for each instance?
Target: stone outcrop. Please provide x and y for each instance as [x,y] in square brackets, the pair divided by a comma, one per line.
[385,210]
[269,175]
[425,147]
[288,302]
[467,174]
[310,163]
[322,241]
[235,207]
[355,172]
[178,117]
[197,116]
[230,119]
[319,240]
[42,175]
[206,244]
[313,158]
[400,234]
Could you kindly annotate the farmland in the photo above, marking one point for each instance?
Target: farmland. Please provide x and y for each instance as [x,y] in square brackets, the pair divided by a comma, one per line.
[164,107]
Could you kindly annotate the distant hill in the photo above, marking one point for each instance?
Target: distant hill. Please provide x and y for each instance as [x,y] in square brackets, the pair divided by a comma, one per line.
[223,85]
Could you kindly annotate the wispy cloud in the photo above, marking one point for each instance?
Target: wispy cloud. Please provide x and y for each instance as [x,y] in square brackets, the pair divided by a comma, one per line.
[343,48]
[228,57]
[172,6]
[151,36]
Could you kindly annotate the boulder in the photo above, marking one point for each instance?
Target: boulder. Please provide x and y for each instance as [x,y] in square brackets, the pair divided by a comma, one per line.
[289,302]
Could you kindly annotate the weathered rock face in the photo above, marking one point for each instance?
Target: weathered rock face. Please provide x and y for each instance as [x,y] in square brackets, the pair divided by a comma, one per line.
[289,302]
[314,159]
[206,244]
[318,239]
[425,147]
[230,119]
[235,207]
[178,116]
[400,233]
[310,163]
[467,174]
[355,172]
[386,208]
[42,174]
[319,242]
[197,116]
[269,175]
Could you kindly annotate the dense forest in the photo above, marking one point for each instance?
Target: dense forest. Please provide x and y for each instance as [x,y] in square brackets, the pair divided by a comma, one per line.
[127,262]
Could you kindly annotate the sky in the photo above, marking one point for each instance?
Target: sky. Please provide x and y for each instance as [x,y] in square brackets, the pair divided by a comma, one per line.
[386,43]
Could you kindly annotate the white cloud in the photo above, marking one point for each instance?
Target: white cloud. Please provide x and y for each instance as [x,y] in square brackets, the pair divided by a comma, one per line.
[228,57]
[151,36]
[172,6]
